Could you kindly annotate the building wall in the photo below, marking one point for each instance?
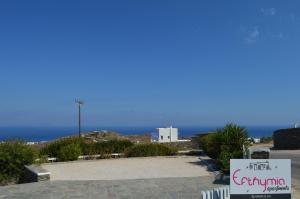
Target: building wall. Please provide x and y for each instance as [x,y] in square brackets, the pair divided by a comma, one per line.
[165,135]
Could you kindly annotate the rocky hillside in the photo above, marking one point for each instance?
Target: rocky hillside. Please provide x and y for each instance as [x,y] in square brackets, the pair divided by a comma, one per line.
[97,136]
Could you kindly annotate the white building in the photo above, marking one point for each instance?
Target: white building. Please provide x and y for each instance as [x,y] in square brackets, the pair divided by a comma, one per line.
[256,140]
[168,134]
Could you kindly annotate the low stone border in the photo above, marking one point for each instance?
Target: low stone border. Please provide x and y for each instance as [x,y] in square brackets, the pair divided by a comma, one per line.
[34,173]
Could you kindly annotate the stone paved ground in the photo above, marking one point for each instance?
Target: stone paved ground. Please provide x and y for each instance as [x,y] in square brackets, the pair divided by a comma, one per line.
[185,188]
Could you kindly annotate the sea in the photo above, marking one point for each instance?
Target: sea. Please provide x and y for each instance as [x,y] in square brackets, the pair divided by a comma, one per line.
[38,134]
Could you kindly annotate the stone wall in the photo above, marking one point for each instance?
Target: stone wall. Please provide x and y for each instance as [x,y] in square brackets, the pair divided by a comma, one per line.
[260,155]
[285,139]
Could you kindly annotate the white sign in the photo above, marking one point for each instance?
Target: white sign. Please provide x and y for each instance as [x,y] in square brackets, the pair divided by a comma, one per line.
[258,177]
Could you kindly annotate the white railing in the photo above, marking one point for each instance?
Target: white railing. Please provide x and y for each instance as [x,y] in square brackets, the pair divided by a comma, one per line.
[218,193]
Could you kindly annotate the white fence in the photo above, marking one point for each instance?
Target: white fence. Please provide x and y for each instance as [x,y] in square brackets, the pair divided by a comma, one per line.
[218,193]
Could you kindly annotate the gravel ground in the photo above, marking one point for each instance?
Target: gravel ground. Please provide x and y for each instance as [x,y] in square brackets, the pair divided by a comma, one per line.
[128,168]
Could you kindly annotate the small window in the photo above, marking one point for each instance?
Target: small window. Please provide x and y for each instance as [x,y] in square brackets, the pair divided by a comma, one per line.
[168,137]
[161,137]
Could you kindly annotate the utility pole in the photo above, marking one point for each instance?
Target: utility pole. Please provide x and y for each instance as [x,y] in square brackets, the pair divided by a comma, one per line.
[79,103]
[171,133]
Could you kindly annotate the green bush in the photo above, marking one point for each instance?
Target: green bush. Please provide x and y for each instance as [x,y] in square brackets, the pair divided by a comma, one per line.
[234,137]
[88,149]
[13,156]
[145,150]
[224,144]
[119,146]
[266,139]
[53,148]
[112,146]
[103,148]
[69,152]
[211,144]
[224,161]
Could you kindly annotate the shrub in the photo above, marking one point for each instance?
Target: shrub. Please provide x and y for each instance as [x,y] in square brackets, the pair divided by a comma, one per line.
[224,144]
[224,161]
[13,156]
[211,144]
[266,139]
[53,148]
[69,152]
[112,146]
[88,149]
[119,146]
[234,137]
[145,150]
[103,148]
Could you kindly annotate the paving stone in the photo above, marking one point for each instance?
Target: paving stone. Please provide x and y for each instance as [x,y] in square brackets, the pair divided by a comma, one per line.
[169,188]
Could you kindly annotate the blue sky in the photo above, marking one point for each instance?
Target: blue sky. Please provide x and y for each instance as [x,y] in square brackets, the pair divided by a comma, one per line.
[144,63]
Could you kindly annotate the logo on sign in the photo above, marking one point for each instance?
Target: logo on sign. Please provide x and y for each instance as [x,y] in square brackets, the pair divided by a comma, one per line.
[250,176]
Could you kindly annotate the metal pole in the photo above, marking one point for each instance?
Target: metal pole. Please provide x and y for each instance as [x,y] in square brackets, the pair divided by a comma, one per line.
[79,103]
[170,133]
[79,119]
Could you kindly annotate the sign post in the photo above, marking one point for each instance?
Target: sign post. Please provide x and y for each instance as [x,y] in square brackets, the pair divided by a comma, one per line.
[260,178]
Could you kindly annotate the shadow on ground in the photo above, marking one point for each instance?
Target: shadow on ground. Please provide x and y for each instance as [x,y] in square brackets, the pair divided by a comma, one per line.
[209,164]
[219,177]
